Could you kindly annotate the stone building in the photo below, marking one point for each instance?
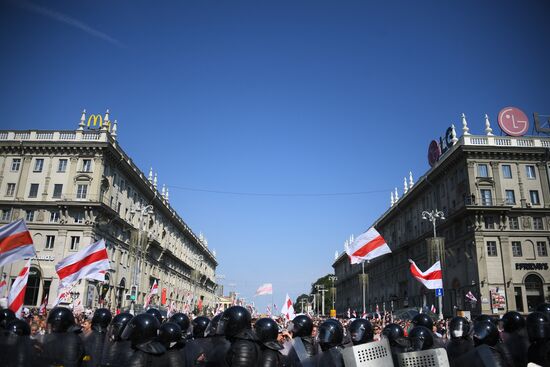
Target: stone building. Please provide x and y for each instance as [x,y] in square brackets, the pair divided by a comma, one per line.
[494,192]
[75,187]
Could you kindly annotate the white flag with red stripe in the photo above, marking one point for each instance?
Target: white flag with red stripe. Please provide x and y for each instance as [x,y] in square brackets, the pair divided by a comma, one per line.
[42,310]
[433,309]
[3,286]
[431,278]
[264,289]
[154,288]
[288,309]
[15,243]
[90,262]
[17,291]
[367,246]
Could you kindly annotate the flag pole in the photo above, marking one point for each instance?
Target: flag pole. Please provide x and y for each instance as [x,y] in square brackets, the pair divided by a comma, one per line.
[364,285]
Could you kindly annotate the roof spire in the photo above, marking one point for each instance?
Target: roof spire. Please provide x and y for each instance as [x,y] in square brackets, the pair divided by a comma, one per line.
[115,128]
[405,187]
[150,175]
[465,128]
[82,119]
[155,181]
[166,196]
[488,129]
[453,134]
[392,201]
[163,191]
[411,182]
[396,195]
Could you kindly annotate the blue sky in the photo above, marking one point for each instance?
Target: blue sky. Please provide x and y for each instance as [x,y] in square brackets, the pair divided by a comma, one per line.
[274,97]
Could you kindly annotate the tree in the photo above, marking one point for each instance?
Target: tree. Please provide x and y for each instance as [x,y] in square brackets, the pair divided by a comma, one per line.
[322,283]
[298,303]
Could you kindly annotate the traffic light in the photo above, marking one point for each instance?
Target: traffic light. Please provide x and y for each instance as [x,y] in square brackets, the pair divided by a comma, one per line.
[133,292]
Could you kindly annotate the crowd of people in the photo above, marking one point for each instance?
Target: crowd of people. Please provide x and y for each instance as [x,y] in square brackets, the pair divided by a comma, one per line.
[234,338]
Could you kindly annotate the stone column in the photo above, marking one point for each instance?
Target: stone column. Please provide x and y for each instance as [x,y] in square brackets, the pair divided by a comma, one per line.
[48,178]
[545,185]
[23,176]
[496,178]
[520,185]
[506,260]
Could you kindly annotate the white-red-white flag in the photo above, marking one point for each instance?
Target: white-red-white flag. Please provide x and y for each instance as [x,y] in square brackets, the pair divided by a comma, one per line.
[15,242]
[90,262]
[288,310]
[3,286]
[63,294]
[367,246]
[17,291]
[42,310]
[268,311]
[470,296]
[154,288]
[433,309]
[431,278]
[266,288]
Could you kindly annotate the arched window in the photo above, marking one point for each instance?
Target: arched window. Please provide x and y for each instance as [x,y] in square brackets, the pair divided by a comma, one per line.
[534,291]
[33,287]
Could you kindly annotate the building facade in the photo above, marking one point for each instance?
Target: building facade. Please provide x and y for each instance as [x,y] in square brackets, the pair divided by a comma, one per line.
[76,187]
[494,192]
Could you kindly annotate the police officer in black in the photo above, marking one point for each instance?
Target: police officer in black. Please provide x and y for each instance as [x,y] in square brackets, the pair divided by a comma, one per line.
[486,334]
[538,330]
[331,336]
[142,332]
[267,331]
[361,331]
[18,347]
[195,349]
[93,342]
[515,340]
[217,346]
[156,313]
[461,342]
[170,337]
[301,328]
[115,350]
[244,350]
[183,322]
[421,338]
[425,320]
[62,346]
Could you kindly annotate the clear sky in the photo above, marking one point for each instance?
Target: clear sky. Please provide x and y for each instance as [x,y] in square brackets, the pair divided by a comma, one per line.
[284,98]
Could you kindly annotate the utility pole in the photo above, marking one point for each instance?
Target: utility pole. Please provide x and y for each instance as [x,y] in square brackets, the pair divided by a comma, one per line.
[333,278]
[433,216]
[321,289]
[302,303]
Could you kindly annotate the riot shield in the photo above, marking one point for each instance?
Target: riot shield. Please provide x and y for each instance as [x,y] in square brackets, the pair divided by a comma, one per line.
[424,358]
[373,354]
[297,355]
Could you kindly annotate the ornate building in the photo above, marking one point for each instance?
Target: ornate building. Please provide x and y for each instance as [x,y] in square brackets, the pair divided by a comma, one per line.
[75,187]
[495,195]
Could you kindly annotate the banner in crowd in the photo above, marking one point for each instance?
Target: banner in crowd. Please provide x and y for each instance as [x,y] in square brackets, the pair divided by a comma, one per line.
[367,246]
[15,243]
[431,278]
[16,297]
[89,262]
[264,289]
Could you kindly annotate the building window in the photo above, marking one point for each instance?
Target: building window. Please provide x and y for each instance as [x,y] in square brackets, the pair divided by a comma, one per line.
[38,165]
[119,205]
[482,170]
[62,167]
[29,215]
[57,190]
[86,165]
[81,191]
[537,223]
[489,222]
[54,217]
[6,215]
[33,192]
[506,171]
[519,299]
[510,197]
[530,172]
[534,195]
[514,222]
[33,286]
[15,164]
[50,240]
[79,217]
[542,249]
[486,197]
[10,190]
[492,248]
[516,249]
[75,241]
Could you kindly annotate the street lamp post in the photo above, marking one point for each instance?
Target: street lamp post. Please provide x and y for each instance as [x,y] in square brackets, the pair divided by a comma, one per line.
[333,278]
[433,216]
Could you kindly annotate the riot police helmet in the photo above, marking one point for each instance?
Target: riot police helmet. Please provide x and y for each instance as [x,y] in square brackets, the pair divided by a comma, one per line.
[212,327]
[6,316]
[330,334]
[361,331]
[421,338]
[118,324]
[544,308]
[141,329]
[459,327]
[301,326]
[393,332]
[182,320]
[485,332]
[156,313]
[538,326]
[266,329]
[512,321]
[101,319]
[169,334]
[199,326]
[482,318]
[18,327]
[60,319]
[423,319]
[233,321]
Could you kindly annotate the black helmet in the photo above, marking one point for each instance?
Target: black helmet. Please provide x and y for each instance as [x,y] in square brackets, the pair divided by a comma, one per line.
[18,327]
[512,321]
[485,332]
[393,332]
[142,328]
[423,319]
[60,319]
[182,320]
[544,308]
[156,313]
[538,326]
[361,331]
[482,318]
[459,327]
[421,338]
[266,330]
[169,334]
[234,320]
[199,326]
[101,319]
[118,324]
[301,325]
[330,334]
[213,325]
[6,315]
